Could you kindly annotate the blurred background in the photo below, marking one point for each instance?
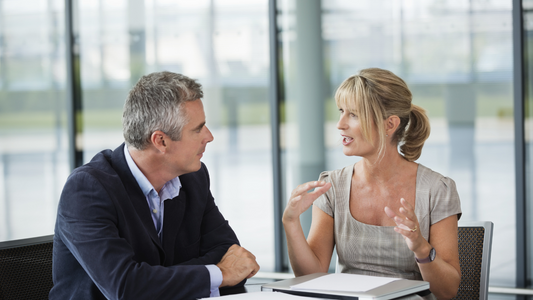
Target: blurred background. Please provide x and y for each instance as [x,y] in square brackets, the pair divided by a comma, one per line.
[269,71]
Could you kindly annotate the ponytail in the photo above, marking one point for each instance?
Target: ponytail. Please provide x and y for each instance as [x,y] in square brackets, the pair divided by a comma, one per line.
[416,133]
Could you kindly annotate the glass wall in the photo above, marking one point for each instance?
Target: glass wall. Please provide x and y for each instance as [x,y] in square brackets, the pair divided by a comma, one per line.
[528,128]
[223,44]
[33,133]
[456,56]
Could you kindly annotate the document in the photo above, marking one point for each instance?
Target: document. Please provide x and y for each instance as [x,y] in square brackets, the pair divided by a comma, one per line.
[348,286]
[263,296]
[341,282]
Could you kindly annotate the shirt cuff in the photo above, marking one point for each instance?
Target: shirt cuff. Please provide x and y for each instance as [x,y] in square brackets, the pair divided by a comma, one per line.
[216,279]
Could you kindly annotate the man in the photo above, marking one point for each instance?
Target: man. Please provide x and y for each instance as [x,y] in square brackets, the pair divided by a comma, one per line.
[140,222]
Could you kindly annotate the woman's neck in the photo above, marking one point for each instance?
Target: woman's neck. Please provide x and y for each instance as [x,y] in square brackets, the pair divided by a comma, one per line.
[380,170]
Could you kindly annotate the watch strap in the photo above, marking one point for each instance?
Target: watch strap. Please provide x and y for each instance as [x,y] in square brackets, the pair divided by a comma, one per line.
[428,259]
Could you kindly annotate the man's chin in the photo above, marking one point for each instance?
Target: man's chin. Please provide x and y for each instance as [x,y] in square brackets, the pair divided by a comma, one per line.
[198,166]
[193,168]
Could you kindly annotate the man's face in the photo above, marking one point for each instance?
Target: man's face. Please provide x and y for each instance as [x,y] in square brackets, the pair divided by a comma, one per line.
[184,155]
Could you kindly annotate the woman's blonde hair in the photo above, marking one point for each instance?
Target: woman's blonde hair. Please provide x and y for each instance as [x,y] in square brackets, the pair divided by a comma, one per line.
[376,94]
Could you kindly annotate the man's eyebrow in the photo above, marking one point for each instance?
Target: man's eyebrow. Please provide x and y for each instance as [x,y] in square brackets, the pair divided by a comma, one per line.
[199,126]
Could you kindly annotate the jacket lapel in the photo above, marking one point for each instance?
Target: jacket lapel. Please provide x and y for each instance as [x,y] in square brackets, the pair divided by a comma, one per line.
[135,194]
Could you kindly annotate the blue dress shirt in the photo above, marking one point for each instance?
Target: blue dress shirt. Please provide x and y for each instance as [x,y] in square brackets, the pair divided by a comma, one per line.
[170,190]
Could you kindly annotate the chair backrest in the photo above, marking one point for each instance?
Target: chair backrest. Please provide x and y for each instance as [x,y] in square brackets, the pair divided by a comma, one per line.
[26,268]
[475,246]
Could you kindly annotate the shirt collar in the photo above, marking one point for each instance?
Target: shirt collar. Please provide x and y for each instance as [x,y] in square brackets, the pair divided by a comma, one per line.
[171,188]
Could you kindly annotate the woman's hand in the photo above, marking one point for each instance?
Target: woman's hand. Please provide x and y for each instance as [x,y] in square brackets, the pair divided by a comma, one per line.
[443,273]
[301,199]
[407,225]
[310,255]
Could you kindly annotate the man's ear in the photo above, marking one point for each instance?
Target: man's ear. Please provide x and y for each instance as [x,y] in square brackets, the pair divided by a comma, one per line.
[158,139]
[391,124]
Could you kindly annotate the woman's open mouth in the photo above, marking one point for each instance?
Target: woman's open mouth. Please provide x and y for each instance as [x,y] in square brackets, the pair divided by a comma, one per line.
[346,140]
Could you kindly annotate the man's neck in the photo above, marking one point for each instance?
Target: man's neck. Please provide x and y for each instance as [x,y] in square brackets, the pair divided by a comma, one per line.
[150,163]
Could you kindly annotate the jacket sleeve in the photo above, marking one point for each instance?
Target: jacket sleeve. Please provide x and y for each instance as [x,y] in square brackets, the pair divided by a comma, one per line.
[216,234]
[88,226]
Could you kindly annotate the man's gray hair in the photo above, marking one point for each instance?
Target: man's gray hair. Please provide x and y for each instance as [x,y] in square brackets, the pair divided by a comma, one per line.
[155,103]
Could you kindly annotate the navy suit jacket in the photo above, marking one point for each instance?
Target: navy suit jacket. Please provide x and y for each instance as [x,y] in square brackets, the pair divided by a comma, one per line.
[106,245]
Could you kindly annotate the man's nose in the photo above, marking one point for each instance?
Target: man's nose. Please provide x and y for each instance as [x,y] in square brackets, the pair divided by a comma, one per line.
[210,136]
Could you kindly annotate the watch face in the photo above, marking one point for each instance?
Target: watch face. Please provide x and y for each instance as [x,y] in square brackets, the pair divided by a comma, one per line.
[432,254]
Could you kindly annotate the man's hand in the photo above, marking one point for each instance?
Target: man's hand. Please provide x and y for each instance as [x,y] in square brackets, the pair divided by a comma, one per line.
[236,265]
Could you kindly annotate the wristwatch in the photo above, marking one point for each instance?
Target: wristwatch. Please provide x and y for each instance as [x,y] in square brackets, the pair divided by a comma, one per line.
[428,259]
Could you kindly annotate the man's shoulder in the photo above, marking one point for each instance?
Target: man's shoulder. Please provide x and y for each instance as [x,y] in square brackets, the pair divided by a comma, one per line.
[100,162]
[101,166]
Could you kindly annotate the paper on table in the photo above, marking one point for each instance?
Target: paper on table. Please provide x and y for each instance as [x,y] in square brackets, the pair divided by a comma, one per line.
[342,282]
[263,296]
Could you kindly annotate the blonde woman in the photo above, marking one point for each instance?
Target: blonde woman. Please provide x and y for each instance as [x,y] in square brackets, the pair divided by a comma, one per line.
[386,214]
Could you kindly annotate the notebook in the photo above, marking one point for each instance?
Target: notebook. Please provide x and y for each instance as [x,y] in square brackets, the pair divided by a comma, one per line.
[392,289]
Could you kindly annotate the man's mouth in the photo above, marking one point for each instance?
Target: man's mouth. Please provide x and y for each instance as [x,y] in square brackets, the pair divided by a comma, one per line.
[201,152]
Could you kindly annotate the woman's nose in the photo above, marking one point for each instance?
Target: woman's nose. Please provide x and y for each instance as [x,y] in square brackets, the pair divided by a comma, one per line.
[341,124]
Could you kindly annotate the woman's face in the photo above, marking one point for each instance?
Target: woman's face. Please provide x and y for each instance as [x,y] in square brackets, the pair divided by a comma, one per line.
[352,135]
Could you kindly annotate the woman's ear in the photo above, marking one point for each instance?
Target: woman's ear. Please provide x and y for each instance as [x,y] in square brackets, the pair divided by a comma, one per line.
[391,124]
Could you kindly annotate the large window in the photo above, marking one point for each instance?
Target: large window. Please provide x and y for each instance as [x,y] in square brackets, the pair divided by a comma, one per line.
[223,44]
[33,134]
[528,126]
[456,56]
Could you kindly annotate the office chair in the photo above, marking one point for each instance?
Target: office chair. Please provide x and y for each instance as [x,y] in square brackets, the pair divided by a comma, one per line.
[475,244]
[26,268]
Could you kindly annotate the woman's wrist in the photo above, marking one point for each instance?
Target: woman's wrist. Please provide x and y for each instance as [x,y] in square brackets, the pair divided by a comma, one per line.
[288,221]
[423,251]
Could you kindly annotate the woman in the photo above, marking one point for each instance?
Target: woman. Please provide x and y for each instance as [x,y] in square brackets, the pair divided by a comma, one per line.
[386,214]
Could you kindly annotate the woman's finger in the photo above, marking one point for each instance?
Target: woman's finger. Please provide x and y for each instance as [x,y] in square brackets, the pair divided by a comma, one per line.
[304,188]
[389,212]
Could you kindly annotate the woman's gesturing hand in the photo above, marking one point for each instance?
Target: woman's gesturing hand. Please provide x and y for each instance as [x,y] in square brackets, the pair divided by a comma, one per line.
[301,199]
[407,225]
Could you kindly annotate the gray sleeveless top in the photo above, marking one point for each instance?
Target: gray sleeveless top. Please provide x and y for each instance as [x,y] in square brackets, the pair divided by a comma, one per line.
[379,250]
